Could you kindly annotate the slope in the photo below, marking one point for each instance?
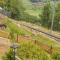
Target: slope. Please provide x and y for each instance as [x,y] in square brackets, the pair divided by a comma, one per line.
[27,48]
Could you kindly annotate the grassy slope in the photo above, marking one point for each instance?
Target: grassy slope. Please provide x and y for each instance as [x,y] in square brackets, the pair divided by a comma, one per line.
[26,44]
[28,47]
[24,49]
[30,51]
[13,27]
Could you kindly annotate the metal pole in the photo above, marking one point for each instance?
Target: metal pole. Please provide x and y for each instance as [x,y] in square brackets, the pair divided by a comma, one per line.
[17,37]
[14,46]
[53,15]
[13,54]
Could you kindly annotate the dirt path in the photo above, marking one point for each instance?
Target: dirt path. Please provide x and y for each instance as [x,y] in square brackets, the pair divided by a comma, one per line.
[4,45]
[22,24]
[40,28]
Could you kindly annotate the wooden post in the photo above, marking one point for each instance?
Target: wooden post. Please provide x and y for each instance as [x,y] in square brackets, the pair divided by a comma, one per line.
[51,49]
[17,37]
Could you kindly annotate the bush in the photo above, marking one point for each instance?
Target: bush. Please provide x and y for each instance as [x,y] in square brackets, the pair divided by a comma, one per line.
[8,56]
[30,51]
[56,54]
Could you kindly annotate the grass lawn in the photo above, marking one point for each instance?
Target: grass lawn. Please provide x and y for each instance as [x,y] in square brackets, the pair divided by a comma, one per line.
[29,51]
[34,12]
[46,41]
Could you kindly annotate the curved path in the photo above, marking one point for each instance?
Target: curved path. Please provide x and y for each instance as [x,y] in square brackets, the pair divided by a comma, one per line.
[4,45]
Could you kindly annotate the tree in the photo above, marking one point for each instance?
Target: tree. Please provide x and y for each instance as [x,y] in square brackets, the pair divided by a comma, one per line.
[15,7]
[45,19]
[57,18]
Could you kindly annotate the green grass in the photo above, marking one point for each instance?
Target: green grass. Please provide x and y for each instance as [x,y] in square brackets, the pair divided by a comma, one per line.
[27,4]
[34,12]
[31,9]
[45,40]
[21,31]
[30,51]
[56,54]
[11,26]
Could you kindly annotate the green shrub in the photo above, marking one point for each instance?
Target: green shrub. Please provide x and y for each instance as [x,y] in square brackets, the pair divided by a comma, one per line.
[56,54]
[30,51]
[8,56]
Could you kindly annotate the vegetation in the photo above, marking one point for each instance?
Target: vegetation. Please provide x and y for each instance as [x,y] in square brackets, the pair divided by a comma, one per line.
[28,49]
[46,19]
[57,18]
[34,49]
[14,7]
[56,55]
[2,3]
[44,40]
[8,55]
[20,12]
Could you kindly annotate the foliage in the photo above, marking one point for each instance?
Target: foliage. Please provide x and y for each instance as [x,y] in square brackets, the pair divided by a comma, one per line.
[30,51]
[29,18]
[45,40]
[8,56]
[15,7]
[56,54]
[14,30]
[57,18]
[45,19]
[2,3]
[17,10]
